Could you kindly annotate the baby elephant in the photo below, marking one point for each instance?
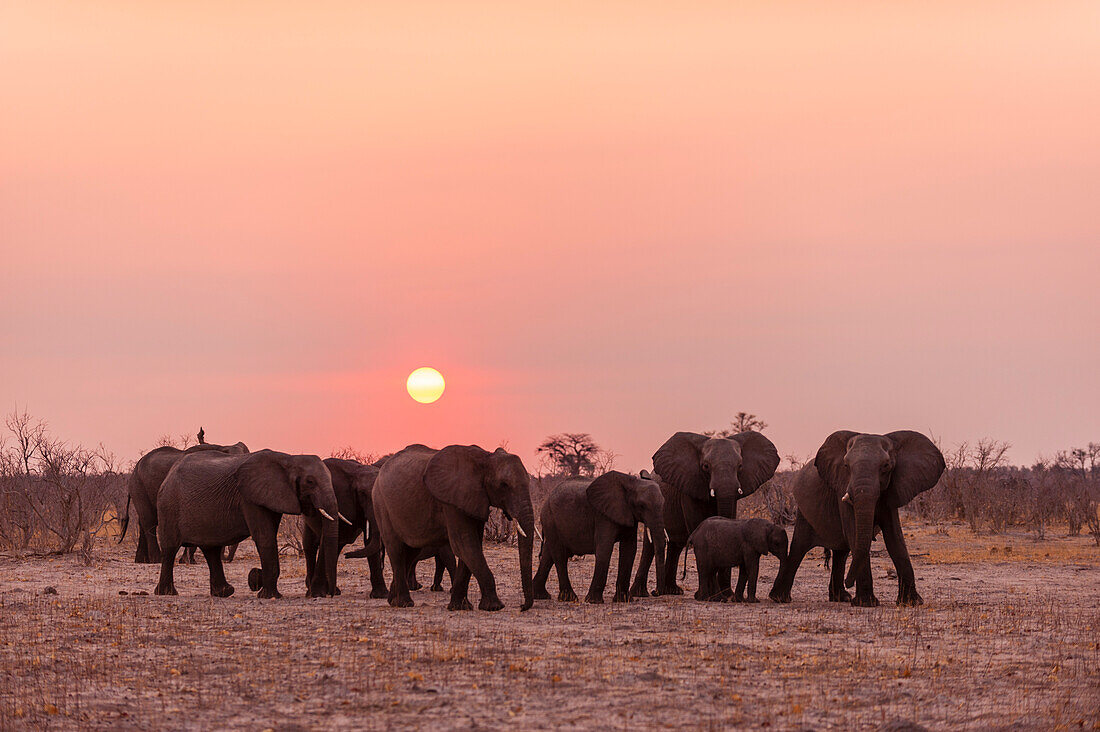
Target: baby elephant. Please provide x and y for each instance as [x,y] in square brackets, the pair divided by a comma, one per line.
[586,516]
[722,543]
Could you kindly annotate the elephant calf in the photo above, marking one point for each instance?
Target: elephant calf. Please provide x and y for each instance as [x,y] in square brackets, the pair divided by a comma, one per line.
[590,517]
[721,544]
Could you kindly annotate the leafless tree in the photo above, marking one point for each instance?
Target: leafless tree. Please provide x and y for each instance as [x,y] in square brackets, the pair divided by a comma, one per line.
[742,422]
[573,454]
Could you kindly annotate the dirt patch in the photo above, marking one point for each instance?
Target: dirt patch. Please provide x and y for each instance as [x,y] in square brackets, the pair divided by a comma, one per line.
[1005,638]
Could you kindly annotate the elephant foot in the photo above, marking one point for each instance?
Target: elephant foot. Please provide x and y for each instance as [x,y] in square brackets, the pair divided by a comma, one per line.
[749,600]
[266,594]
[379,593]
[700,595]
[542,594]
[255,579]
[639,591]
[567,596]
[909,597]
[165,589]
[224,591]
[337,591]
[672,590]
[462,604]
[491,604]
[864,601]
[780,596]
[401,602]
[436,588]
[316,592]
[593,599]
[841,595]
[621,596]
[415,585]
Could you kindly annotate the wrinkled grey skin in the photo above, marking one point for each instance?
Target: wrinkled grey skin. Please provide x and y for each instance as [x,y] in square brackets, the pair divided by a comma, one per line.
[702,477]
[722,543]
[144,487]
[590,516]
[210,499]
[429,498]
[857,482]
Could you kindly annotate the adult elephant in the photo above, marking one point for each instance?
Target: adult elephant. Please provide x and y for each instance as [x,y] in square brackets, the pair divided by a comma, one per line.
[855,483]
[587,516]
[210,499]
[429,498]
[144,487]
[701,477]
[353,483]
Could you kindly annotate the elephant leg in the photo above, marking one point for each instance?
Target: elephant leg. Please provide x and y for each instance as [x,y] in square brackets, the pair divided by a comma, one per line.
[837,592]
[141,556]
[672,558]
[546,561]
[466,537]
[263,525]
[895,546]
[802,541]
[444,562]
[566,593]
[219,587]
[751,569]
[627,549]
[378,589]
[230,552]
[742,579]
[460,588]
[725,582]
[401,556]
[167,586]
[316,586]
[189,552]
[705,571]
[641,578]
[599,574]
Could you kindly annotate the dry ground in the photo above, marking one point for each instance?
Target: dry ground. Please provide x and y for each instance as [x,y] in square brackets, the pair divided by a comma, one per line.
[1005,638]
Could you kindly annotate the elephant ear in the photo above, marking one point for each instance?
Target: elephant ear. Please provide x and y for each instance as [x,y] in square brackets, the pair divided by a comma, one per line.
[678,463]
[608,495]
[263,479]
[830,459]
[759,459]
[918,468]
[456,476]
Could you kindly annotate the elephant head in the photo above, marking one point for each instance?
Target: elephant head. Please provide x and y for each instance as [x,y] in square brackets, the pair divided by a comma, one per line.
[362,485]
[472,479]
[628,501]
[295,484]
[773,541]
[863,469]
[725,468]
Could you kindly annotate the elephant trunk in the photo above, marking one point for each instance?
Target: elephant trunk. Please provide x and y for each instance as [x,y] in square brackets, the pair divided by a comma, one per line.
[727,507]
[865,521]
[330,547]
[526,521]
[657,533]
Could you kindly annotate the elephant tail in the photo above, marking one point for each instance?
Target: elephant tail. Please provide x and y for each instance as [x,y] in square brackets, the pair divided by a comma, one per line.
[685,572]
[125,519]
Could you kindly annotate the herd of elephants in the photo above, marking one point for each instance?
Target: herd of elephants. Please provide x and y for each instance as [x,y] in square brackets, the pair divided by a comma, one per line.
[421,503]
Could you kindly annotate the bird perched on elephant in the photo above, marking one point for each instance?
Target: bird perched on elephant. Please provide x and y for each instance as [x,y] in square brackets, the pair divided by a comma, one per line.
[855,483]
[703,476]
[590,516]
[429,498]
[353,483]
[210,499]
[721,544]
[144,487]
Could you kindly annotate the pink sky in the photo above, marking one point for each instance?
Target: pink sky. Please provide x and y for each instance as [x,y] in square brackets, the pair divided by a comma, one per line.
[625,220]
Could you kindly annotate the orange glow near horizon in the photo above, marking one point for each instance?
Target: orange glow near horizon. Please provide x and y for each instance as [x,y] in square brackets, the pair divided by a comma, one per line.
[618,218]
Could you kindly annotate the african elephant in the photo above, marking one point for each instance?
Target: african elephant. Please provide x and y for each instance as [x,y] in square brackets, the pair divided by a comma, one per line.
[353,484]
[428,498]
[722,543]
[855,483]
[701,477]
[210,499]
[589,516]
[145,482]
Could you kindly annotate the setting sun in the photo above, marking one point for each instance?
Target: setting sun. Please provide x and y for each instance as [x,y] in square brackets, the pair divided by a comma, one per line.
[425,385]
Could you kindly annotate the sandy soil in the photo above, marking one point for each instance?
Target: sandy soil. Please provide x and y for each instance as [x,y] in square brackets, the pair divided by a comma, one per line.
[1008,636]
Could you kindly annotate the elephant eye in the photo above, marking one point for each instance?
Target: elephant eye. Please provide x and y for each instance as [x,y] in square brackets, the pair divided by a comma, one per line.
[706,466]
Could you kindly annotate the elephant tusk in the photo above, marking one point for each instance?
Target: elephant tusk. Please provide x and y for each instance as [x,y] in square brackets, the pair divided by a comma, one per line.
[538,533]
[645,530]
[344,518]
[666,535]
[847,498]
[712,493]
[740,491]
[322,512]
[520,529]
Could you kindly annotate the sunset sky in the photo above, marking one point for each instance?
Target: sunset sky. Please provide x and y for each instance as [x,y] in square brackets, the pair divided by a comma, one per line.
[618,218]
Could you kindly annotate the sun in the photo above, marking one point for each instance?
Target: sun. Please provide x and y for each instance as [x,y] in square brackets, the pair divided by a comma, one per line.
[425,385]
